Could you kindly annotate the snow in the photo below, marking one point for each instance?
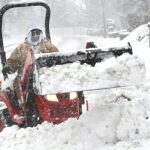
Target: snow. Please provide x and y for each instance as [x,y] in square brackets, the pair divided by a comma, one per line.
[123,71]
[118,119]
[139,35]
[139,40]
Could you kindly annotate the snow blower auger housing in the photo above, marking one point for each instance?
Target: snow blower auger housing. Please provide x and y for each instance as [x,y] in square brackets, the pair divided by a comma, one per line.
[89,56]
[56,107]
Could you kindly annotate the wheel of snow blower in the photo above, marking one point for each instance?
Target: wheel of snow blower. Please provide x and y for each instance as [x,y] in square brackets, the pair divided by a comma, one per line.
[5,119]
[1,126]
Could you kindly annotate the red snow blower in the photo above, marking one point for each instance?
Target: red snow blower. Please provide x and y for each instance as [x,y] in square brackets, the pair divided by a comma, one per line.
[56,107]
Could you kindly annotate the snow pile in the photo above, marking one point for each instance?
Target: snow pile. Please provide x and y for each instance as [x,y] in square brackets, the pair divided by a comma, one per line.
[139,40]
[135,122]
[124,70]
[117,116]
[139,35]
[47,136]
[118,119]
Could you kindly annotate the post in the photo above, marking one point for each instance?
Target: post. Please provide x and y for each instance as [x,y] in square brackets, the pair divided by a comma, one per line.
[149,32]
[104,20]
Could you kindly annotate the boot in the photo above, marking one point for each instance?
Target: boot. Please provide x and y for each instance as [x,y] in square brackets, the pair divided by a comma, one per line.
[19,119]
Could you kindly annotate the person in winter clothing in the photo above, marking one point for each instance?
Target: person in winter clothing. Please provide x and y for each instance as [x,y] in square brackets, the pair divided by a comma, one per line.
[35,41]
[16,61]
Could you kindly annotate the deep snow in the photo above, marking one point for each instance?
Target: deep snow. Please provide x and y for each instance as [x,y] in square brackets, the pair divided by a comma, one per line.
[118,119]
[123,71]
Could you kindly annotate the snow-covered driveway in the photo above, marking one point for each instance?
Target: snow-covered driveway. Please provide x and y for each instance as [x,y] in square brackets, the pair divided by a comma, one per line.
[118,119]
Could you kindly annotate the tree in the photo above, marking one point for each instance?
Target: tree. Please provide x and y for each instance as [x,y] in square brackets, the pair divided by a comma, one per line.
[133,13]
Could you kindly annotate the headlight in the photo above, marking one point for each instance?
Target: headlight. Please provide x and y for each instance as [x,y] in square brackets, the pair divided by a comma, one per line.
[73,95]
[51,98]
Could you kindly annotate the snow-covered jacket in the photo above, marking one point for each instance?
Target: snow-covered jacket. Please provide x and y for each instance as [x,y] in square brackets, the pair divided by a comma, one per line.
[17,59]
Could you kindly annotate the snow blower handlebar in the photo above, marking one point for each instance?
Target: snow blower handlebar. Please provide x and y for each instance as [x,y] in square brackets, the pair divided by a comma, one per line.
[3,62]
[90,56]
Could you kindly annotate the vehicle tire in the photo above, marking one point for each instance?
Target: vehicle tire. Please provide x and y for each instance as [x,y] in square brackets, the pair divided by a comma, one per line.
[1,125]
[5,118]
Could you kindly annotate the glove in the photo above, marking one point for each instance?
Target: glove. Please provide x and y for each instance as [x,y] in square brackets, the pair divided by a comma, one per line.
[6,70]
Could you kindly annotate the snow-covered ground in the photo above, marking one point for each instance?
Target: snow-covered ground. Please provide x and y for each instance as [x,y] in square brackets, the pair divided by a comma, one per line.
[118,119]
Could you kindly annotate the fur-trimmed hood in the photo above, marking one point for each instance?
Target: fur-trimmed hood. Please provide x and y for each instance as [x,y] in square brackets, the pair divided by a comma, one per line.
[28,38]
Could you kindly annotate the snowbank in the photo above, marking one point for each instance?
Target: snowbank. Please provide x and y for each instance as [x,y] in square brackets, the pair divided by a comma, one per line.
[139,40]
[139,35]
[118,119]
[123,71]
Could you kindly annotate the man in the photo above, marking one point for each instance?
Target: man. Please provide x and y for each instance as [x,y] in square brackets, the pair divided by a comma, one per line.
[16,63]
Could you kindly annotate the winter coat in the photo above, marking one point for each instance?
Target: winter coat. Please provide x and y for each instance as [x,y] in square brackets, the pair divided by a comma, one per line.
[17,59]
